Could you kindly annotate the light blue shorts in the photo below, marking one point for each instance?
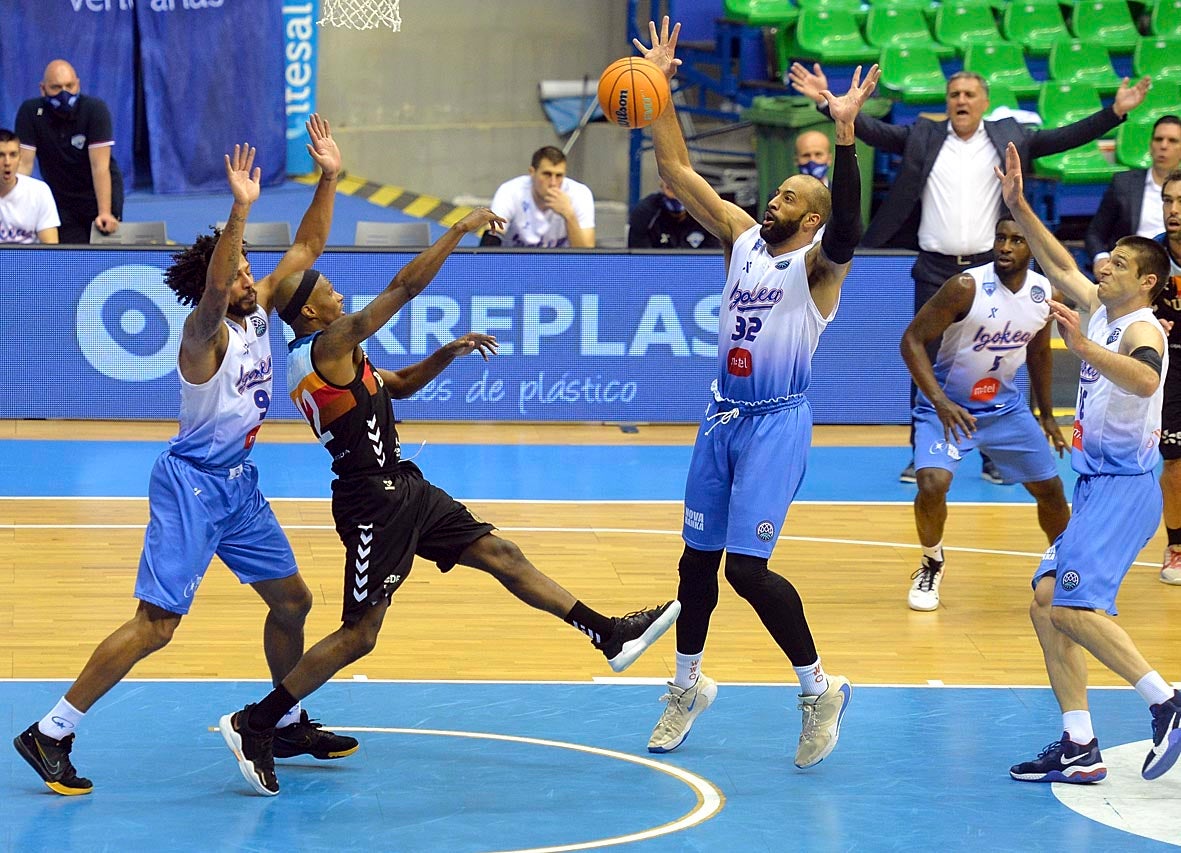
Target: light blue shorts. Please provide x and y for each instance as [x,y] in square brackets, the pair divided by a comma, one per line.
[1013,439]
[196,513]
[743,476]
[1112,519]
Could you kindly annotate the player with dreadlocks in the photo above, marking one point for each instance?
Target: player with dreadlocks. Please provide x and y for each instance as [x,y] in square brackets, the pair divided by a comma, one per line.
[203,496]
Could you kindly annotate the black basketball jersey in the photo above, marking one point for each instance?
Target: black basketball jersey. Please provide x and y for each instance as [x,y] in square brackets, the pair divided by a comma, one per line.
[354,422]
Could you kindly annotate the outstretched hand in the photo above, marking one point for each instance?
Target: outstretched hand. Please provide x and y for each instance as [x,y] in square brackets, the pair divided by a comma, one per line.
[847,106]
[243,176]
[1012,184]
[478,218]
[485,345]
[1069,324]
[323,147]
[663,49]
[808,83]
[1130,96]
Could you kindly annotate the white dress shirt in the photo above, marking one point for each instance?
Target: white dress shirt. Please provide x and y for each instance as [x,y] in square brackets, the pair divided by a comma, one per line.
[962,197]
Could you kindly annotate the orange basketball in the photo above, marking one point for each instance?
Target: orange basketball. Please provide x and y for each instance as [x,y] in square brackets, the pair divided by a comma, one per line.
[633,92]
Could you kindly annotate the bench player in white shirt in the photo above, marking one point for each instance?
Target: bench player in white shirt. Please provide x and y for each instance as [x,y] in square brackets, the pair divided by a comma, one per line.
[782,289]
[988,320]
[544,209]
[1117,500]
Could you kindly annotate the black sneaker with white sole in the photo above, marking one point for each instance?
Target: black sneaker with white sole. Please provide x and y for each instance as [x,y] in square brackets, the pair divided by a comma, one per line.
[308,737]
[632,634]
[253,749]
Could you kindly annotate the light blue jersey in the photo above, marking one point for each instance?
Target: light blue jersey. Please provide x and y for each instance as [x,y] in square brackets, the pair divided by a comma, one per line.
[220,418]
[768,325]
[979,355]
[1115,431]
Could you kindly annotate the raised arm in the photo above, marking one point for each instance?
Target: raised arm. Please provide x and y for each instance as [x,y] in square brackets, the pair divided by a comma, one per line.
[344,335]
[813,83]
[407,381]
[312,234]
[724,220]
[1054,258]
[1056,139]
[203,341]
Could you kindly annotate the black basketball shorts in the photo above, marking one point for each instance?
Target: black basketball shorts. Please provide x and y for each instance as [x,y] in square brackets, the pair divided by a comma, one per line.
[384,521]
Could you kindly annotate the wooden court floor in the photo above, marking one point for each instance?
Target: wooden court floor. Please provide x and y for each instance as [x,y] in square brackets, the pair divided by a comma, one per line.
[67,570]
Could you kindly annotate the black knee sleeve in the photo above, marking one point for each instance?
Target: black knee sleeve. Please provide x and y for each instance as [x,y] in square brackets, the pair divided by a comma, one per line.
[698,594]
[777,604]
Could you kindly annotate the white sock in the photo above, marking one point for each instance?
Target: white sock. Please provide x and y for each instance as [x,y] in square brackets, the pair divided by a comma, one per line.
[688,668]
[813,681]
[290,718]
[1077,725]
[61,721]
[935,552]
[1154,689]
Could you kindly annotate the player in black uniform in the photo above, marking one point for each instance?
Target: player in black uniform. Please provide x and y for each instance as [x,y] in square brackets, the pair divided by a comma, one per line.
[385,511]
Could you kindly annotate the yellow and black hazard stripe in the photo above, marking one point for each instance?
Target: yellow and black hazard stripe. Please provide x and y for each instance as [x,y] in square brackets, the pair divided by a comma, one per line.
[399,198]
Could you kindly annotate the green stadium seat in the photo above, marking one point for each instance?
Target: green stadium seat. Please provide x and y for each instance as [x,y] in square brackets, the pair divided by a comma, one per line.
[901,25]
[1002,62]
[1083,165]
[827,36]
[913,74]
[1163,98]
[961,24]
[1131,145]
[1166,18]
[1107,23]
[1077,61]
[1035,25]
[1159,58]
[1064,103]
[1000,95]
[762,13]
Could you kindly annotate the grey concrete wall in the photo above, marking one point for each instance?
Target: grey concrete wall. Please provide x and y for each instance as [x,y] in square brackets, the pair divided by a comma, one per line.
[449,106]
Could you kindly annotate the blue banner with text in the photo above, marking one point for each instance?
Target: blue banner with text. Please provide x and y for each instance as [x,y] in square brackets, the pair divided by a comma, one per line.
[300,54]
[583,337]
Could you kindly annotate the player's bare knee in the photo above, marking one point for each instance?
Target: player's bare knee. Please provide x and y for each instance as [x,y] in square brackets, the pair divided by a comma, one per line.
[154,627]
[1067,619]
[293,609]
[933,483]
[1047,491]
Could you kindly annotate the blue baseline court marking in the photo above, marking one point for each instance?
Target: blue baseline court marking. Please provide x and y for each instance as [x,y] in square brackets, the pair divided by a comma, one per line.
[475,472]
[916,768]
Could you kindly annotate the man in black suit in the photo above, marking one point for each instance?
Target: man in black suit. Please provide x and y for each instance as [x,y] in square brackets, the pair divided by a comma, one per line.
[1131,204]
[944,200]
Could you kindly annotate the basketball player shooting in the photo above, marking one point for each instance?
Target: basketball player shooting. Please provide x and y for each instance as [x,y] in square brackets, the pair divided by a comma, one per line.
[782,290]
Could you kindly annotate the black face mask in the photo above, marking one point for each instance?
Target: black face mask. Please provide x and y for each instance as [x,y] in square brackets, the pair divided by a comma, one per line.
[63,102]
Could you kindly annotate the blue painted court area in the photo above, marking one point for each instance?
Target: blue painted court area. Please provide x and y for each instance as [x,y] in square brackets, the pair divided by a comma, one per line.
[482,472]
[916,768]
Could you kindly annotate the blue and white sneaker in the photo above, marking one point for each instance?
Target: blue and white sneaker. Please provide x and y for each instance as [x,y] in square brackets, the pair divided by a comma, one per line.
[821,724]
[684,705]
[1063,761]
[1166,737]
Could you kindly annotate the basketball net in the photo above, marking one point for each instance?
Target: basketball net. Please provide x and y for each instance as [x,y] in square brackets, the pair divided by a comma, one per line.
[361,14]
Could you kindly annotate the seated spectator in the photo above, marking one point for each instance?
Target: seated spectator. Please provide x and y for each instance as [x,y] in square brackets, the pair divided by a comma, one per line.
[660,221]
[1131,204]
[71,137]
[27,211]
[544,209]
[813,154]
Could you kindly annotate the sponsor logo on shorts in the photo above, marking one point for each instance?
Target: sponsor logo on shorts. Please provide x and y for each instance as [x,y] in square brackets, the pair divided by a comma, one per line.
[191,589]
[694,519]
[1051,553]
[943,448]
[1070,581]
[765,531]
[1037,294]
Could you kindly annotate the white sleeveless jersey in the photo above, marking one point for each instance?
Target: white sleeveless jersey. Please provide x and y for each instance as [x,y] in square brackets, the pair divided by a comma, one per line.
[980,354]
[219,418]
[768,325]
[1116,432]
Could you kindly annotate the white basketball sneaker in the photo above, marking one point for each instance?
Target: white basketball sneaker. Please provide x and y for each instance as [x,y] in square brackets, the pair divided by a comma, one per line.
[684,706]
[822,721]
[1170,571]
[924,591]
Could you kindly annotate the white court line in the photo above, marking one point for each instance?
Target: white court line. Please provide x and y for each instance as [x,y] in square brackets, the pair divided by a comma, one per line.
[634,531]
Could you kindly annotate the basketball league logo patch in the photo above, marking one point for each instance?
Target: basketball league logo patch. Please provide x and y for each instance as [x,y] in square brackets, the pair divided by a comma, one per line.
[260,325]
[1113,337]
[765,531]
[1037,294]
[1070,581]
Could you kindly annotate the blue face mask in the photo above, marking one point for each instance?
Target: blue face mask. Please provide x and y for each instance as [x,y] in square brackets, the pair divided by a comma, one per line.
[819,171]
[673,205]
[63,102]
